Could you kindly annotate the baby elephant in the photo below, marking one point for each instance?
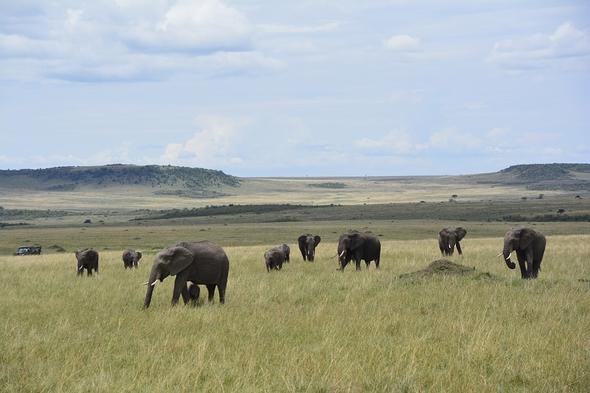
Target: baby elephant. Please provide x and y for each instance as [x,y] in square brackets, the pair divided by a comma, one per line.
[275,257]
[131,258]
[87,259]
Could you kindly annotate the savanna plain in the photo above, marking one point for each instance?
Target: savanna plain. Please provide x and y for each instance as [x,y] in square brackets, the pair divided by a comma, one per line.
[306,328]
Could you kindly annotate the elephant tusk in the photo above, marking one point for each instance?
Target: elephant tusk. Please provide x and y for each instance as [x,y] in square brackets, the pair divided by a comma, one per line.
[146,283]
[154,283]
[342,253]
[499,255]
[507,258]
[81,267]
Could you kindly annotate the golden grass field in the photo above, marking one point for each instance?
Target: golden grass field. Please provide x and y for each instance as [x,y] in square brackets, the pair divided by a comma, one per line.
[307,328]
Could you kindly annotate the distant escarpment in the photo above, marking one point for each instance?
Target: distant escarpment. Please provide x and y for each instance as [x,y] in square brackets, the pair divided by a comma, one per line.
[197,182]
[558,176]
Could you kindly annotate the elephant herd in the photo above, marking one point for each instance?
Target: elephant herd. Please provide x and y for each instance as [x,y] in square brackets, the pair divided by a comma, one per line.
[205,263]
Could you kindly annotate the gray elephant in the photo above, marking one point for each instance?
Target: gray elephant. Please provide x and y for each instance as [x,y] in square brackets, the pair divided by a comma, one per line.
[286,250]
[529,246]
[448,238]
[131,258]
[307,244]
[87,259]
[201,263]
[358,246]
[274,258]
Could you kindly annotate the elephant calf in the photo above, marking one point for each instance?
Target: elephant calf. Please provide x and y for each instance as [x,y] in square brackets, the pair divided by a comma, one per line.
[87,259]
[274,258]
[131,258]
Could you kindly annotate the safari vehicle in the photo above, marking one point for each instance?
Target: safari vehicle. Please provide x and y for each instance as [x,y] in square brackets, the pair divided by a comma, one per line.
[28,250]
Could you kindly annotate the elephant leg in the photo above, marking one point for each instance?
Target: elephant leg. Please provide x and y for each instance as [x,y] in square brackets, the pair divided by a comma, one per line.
[530,261]
[179,285]
[536,268]
[459,248]
[185,296]
[89,271]
[522,264]
[210,292]
[358,264]
[377,263]
[221,289]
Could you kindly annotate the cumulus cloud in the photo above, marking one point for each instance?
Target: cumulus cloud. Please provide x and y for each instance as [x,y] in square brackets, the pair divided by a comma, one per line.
[127,40]
[538,50]
[402,43]
[214,145]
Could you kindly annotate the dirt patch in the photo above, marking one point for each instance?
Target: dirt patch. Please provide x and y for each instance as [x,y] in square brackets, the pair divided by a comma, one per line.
[443,267]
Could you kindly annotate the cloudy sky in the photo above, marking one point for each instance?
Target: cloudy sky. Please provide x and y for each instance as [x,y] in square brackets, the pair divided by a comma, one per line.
[295,88]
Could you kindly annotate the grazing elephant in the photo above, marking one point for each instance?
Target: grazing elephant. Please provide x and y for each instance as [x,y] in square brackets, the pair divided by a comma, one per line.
[131,258]
[448,238]
[357,246]
[274,258]
[307,245]
[530,247]
[201,263]
[87,259]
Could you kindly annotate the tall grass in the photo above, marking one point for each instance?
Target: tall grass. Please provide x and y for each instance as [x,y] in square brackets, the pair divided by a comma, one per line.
[307,328]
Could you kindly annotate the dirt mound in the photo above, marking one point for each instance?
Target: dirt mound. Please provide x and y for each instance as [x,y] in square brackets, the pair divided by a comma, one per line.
[443,267]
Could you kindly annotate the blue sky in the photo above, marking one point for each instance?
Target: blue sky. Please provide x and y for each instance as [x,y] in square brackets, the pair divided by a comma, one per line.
[295,88]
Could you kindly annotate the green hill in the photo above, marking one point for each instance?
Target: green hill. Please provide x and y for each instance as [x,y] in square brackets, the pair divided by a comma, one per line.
[172,179]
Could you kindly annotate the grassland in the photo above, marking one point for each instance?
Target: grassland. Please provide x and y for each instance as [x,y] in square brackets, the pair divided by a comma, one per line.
[307,328]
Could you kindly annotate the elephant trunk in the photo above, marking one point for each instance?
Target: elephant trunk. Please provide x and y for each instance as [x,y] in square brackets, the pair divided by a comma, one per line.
[506,255]
[150,289]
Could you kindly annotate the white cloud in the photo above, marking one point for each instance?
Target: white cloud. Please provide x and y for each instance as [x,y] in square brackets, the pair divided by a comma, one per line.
[394,142]
[128,41]
[402,43]
[196,25]
[538,50]
[214,145]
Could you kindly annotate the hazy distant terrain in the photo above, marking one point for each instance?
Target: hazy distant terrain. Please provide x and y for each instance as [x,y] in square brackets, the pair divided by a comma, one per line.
[129,187]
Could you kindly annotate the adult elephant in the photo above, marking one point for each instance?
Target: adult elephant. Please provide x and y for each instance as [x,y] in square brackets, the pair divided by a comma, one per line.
[87,259]
[448,238]
[307,244]
[358,246]
[131,258]
[529,246]
[201,263]
[274,258]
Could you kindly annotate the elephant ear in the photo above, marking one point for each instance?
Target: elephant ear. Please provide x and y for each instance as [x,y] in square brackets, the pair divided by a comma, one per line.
[139,255]
[176,259]
[461,232]
[526,237]
[301,241]
[317,239]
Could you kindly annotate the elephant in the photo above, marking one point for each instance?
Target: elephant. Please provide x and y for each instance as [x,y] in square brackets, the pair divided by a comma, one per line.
[286,250]
[131,258]
[357,246]
[201,263]
[274,258]
[87,259]
[448,238]
[529,246]
[307,245]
